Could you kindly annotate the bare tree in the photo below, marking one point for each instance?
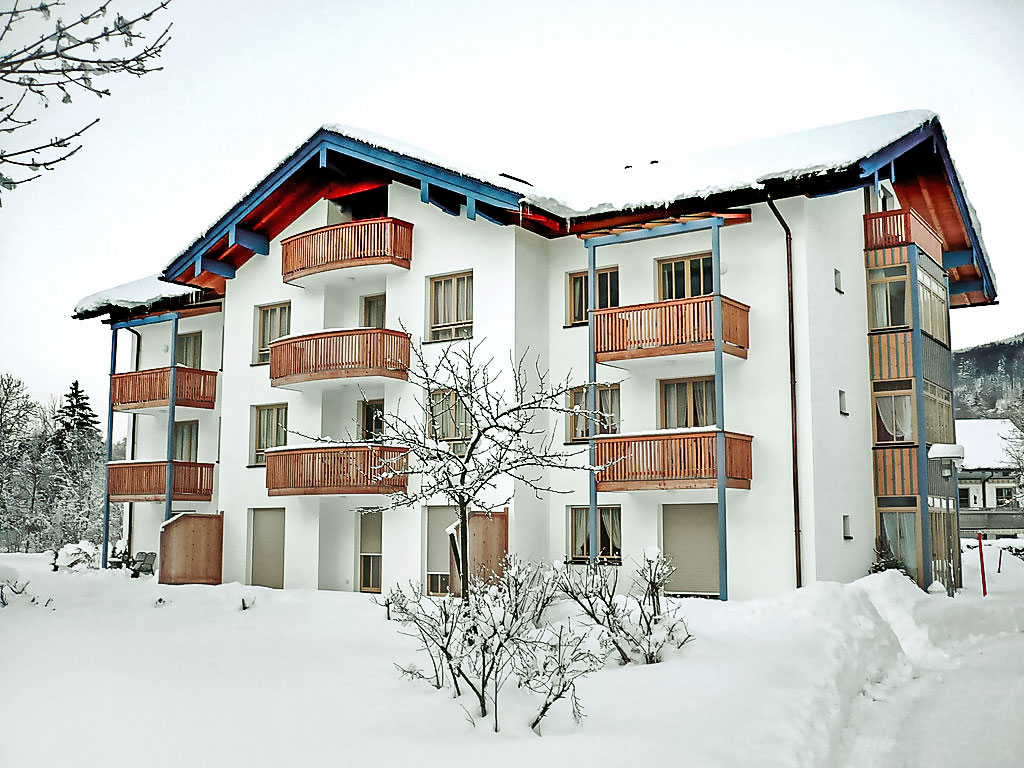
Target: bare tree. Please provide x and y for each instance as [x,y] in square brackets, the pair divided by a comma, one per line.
[473,430]
[55,60]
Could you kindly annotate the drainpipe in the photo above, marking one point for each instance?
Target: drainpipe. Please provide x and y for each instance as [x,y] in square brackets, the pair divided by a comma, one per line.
[792,392]
[110,446]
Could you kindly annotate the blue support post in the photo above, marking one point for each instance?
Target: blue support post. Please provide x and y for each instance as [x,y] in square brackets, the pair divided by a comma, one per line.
[172,398]
[924,518]
[720,479]
[110,447]
[592,521]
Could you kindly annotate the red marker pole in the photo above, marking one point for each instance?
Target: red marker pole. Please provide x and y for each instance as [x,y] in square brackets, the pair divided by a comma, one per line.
[981,557]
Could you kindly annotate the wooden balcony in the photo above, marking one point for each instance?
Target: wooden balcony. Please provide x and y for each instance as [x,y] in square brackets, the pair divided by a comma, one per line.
[146,481]
[669,328]
[339,355]
[671,461]
[335,469]
[358,243]
[892,229]
[151,388]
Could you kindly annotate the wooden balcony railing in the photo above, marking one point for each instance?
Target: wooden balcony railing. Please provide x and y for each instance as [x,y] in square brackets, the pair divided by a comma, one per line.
[670,461]
[890,229]
[146,481]
[669,328]
[335,469]
[372,241]
[339,354]
[151,388]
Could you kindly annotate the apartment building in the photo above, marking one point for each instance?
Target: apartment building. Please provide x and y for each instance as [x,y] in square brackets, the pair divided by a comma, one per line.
[767,326]
[989,482]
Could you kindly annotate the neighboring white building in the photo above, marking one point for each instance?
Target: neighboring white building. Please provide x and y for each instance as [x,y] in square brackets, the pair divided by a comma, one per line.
[828,378]
[989,483]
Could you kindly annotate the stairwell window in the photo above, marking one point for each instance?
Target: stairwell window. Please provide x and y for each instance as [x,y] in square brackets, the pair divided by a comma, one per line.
[274,321]
[938,414]
[894,411]
[448,420]
[451,307]
[271,430]
[607,293]
[607,404]
[934,316]
[188,350]
[685,276]
[888,298]
[688,403]
[609,535]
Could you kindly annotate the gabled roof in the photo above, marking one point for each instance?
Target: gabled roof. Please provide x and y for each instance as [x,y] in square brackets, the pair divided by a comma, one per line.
[339,160]
[985,442]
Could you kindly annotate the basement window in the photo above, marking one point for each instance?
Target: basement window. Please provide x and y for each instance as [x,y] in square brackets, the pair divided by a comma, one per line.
[842,403]
[847,530]
[837,276]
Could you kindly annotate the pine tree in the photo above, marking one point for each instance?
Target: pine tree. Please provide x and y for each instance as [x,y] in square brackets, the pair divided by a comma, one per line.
[78,478]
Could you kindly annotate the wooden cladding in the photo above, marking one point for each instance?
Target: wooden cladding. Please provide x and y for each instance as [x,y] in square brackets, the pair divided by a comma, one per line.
[192,549]
[335,469]
[194,388]
[896,471]
[146,481]
[339,354]
[371,241]
[671,461]
[886,257]
[889,229]
[669,328]
[891,355]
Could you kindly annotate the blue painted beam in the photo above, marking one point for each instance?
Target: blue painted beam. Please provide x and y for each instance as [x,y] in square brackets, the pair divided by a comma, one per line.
[870,166]
[647,234]
[246,238]
[145,320]
[424,191]
[592,516]
[470,208]
[954,259]
[966,286]
[110,448]
[221,268]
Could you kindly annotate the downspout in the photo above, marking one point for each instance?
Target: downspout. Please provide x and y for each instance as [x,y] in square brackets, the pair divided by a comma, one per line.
[797,548]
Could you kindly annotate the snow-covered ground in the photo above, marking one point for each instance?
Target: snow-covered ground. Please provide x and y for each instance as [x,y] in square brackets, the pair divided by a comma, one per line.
[115,671]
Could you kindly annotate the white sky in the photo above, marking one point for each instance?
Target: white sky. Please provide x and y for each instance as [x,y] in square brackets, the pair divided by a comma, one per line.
[510,87]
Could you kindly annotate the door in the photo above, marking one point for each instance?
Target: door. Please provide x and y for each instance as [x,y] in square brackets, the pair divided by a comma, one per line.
[373,311]
[690,540]
[268,548]
[372,418]
[369,551]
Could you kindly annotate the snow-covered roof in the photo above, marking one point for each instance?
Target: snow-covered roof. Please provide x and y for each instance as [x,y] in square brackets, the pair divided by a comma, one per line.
[134,295]
[744,166]
[984,442]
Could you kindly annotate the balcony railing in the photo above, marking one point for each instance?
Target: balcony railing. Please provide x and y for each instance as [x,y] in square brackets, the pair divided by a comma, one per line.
[669,328]
[335,469]
[146,481]
[891,229]
[151,388]
[373,241]
[670,461]
[339,354]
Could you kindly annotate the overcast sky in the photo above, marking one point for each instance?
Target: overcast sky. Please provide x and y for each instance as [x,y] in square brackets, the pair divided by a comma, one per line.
[509,87]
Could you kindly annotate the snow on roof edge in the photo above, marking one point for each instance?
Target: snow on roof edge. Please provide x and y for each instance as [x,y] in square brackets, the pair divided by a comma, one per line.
[140,293]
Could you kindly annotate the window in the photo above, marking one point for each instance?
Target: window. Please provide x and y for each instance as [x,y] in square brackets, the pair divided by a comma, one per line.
[685,276]
[373,311]
[188,350]
[847,530]
[934,316]
[274,322]
[1004,496]
[964,495]
[688,403]
[186,441]
[449,420]
[370,524]
[609,534]
[439,548]
[271,430]
[607,404]
[842,403]
[837,276]
[371,414]
[607,293]
[894,411]
[938,414]
[451,307]
[887,294]
[899,536]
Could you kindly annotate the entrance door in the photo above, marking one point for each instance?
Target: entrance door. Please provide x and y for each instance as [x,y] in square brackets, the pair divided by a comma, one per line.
[268,548]
[690,539]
